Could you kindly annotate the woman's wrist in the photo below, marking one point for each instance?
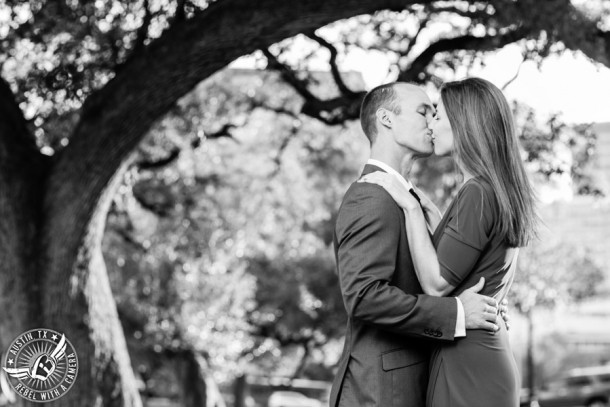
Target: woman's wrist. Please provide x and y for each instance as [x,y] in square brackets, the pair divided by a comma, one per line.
[413,210]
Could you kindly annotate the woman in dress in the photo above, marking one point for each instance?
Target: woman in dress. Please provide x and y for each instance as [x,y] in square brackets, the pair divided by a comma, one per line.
[480,234]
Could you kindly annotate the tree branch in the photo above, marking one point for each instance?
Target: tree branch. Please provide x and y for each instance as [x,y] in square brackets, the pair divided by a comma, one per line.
[332,111]
[516,75]
[288,75]
[173,155]
[280,151]
[460,12]
[116,117]
[413,40]
[161,163]
[279,110]
[334,69]
[466,42]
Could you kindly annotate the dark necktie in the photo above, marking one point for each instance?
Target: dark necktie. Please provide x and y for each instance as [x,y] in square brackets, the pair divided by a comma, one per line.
[412,191]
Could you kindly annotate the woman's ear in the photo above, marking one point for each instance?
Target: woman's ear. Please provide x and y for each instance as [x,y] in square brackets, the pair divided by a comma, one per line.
[384,117]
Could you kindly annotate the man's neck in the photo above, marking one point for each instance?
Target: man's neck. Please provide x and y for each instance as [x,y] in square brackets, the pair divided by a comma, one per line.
[400,163]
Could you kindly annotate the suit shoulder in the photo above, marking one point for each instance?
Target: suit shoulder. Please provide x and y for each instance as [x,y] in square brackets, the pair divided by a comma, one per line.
[366,195]
[367,205]
[365,202]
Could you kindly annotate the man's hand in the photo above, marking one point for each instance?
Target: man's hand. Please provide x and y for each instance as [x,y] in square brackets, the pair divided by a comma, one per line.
[504,313]
[481,311]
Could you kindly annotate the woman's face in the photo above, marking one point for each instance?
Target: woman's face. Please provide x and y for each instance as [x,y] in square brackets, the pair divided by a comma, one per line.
[441,128]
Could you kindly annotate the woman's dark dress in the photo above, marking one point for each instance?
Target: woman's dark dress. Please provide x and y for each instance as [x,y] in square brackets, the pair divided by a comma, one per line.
[478,370]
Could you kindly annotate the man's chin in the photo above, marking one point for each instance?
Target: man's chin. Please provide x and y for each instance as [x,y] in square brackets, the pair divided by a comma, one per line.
[440,153]
[423,154]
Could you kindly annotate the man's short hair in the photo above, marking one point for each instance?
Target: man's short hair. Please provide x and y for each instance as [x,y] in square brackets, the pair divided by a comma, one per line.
[383,96]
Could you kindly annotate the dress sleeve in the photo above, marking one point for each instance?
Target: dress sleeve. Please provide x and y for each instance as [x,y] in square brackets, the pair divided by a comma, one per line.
[466,234]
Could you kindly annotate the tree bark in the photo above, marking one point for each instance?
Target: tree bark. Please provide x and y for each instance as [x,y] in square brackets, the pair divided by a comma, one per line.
[33,293]
[197,387]
[21,179]
[83,307]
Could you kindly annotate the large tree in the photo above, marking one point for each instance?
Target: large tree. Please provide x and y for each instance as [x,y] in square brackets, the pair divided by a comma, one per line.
[83,82]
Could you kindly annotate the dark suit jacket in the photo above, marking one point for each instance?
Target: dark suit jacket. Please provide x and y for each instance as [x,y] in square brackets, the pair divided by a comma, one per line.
[386,352]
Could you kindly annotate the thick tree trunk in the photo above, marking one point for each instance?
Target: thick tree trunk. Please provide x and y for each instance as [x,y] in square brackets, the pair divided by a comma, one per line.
[33,289]
[21,169]
[83,307]
[193,388]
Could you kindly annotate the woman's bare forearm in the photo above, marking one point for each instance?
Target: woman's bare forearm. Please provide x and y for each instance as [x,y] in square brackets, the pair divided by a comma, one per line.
[424,256]
[433,218]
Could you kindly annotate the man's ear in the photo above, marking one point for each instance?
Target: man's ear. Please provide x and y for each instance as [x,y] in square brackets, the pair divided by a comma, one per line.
[384,116]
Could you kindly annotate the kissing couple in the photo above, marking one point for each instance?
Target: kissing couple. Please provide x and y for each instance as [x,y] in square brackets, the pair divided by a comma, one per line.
[422,290]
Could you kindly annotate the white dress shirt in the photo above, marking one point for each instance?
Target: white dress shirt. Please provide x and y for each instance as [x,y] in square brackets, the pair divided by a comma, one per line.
[460,324]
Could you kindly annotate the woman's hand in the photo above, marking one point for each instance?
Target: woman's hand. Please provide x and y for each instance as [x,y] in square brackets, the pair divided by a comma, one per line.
[394,187]
[424,201]
[431,211]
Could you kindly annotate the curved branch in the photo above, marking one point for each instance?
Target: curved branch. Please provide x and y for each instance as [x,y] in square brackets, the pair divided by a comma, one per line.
[413,41]
[516,75]
[175,152]
[288,75]
[479,13]
[115,118]
[334,111]
[334,69]
[466,42]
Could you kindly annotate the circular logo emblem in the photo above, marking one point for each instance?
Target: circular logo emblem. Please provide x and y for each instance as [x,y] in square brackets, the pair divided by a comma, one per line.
[41,365]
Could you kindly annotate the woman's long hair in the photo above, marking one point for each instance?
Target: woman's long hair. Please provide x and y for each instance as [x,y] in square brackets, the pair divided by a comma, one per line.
[485,145]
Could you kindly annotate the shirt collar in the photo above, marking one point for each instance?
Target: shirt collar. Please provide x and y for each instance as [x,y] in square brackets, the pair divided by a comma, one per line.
[390,170]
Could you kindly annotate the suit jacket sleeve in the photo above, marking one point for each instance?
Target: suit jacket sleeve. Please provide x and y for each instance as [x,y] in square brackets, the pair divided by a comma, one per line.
[367,235]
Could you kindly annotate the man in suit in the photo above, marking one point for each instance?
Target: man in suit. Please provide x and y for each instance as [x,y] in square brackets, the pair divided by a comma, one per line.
[390,321]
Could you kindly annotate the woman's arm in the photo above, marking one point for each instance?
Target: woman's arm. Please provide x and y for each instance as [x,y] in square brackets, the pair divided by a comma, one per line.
[432,214]
[424,255]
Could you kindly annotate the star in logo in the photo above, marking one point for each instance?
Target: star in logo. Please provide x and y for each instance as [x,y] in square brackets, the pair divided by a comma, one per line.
[54,337]
[10,361]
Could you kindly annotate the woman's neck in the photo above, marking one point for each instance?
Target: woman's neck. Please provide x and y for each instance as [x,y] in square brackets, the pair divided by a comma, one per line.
[467,175]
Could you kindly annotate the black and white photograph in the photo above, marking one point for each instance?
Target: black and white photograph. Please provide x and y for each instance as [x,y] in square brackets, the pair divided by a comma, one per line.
[321,203]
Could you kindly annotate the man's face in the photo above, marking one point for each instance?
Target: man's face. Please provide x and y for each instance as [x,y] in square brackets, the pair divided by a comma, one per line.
[410,127]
